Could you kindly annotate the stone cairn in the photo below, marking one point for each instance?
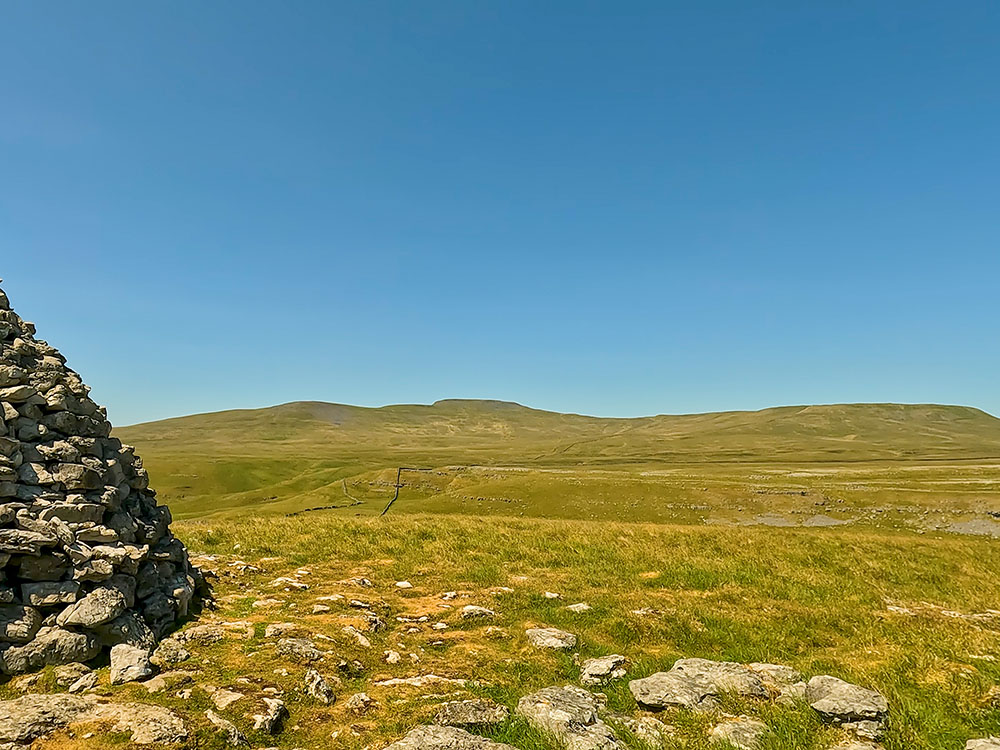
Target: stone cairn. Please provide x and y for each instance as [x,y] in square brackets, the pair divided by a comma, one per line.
[87,560]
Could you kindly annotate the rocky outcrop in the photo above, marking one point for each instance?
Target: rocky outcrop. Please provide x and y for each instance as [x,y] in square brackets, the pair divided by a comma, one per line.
[87,560]
[553,638]
[697,683]
[26,719]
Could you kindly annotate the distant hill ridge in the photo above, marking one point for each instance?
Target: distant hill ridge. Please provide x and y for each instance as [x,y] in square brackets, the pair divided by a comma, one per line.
[492,431]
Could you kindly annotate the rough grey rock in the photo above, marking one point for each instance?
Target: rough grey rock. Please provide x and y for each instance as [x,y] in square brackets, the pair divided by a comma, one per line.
[472,612]
[129,664]
[169,653]
[274,715]
[776,677]
[67,674]
[360,704]
[696,684]
[19,624]
[840,702]
[986,743]
[26,719]
[50,593]
[100,606]
[223,698]
[602,669]
[445,738]
[569,714]
[85,682]
[552,638]
[149,725]
[471,713]
[50,646]
[317,687]
[233,736]
[741,732]
[299,649]
[868,730]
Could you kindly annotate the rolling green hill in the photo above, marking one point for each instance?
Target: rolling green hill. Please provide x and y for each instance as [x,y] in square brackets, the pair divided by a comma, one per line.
[306,454]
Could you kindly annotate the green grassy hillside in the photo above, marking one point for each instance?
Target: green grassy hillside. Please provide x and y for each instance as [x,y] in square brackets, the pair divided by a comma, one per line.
[499,457]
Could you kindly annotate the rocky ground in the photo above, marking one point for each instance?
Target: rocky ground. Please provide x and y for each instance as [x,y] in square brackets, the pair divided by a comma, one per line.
[344,648]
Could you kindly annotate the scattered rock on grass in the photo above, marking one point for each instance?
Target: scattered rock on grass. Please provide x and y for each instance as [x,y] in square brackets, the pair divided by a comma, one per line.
[647,729]
[223,698]
[471,612]
[169,653]
[34,716]
[299,649]
[274,715]
[279,629]
[552,638]
[602,669]
[317,687]
[855,708]
[357,635]
[360,704]
[471,713]
[67,674]
[85,682]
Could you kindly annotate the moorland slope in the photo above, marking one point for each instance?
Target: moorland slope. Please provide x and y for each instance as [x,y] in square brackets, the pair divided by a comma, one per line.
[286,458]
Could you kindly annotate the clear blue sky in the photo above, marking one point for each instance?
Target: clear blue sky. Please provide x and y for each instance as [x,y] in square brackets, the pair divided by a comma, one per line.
[606,207]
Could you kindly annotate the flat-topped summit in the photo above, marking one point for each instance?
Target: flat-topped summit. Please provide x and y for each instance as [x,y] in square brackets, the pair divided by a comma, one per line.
[87,560]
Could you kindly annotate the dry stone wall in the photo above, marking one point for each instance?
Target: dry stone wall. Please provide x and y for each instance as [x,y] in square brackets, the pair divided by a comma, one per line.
[87,560]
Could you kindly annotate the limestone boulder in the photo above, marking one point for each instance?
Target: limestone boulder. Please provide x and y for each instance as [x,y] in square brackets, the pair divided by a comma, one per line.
[840,702]
[696,684]
[570,715]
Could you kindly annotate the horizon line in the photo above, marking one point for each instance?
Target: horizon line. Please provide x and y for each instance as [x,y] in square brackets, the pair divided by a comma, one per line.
[561,413]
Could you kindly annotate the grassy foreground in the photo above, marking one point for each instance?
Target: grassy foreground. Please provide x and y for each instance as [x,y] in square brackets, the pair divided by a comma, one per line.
[913,616]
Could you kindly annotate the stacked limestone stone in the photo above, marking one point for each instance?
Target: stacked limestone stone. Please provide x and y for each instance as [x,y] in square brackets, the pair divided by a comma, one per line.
[87,560]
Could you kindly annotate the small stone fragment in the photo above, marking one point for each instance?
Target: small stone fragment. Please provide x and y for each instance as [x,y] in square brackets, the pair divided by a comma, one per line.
[552,638]
[317,687]
[299,649]
[360,704]
[602,669]
[274,715]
